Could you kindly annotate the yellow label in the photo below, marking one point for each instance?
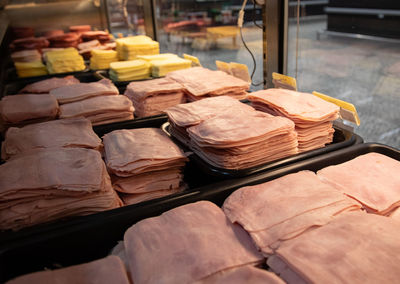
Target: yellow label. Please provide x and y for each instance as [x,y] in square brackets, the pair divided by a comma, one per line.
[284,82]
[223,66]
[347,110]
[194,59]
[240,71]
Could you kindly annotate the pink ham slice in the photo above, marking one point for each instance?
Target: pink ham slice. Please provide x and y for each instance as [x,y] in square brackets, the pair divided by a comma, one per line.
[245,274]
[284,208]
[152,97]
[243,139]
[135,198]
[106,270]
[75,132]
[372,179]
[353,248]
[81,91]
[313,116]
[34,191]
[187,244]
[100,110]
[45,86]
[28,108]
[199,82]
[130,152]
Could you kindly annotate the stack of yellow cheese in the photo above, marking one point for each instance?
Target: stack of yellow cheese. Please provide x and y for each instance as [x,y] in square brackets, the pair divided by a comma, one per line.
[163,63]
[130,47]
[161,68]
[64,60]
[29,69]
[130,70]
[101,59]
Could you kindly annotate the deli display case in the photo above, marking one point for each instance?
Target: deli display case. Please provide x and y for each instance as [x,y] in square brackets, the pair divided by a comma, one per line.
[192,83]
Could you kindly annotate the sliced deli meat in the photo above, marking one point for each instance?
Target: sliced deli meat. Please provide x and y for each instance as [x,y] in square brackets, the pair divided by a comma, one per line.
[144,162]
[372,179]
[191,242]
[243,139]
[100,110]
[152,97]
[106,270]
[284,208]
[201,82]
[28,108]
[81,91]
[239,275]
[45,86]
[48,184]
[353,248]
[313,116]
[74,132]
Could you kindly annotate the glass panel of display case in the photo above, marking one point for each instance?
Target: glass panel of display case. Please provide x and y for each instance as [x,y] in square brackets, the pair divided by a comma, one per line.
[208,30]
[126,17]
[350,50]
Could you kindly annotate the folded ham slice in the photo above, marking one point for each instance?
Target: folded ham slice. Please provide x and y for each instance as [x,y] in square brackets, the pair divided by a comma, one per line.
[81,91]
[185,115]
[28,108]
[106,270]
[100,110]
[186,244]
[201,82]
[45,86]
[243,139]
[74,132]
[353,248]
[372,179]
[245,274]
[152,97]
[34,190]
[313,116]
[281,209]
[144,162]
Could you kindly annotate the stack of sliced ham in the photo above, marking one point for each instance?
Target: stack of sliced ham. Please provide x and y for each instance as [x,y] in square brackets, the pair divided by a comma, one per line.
[243,139]
[103,271]
[372,179]
[353,248]
[64,40]
[144,162]
[45,86]
[101,36]
[152,97]
[29,43]
[100,109]
[313,116]
[282,209]
[184,116]
[52,33]
[187,244]
[48,184]
[82,91]
[26,56]
[80,28]
[201,83]
[68,133]
[25,109]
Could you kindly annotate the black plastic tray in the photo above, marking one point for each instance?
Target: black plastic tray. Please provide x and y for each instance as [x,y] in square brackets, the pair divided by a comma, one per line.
[87,238]
[342,138]
[14,87]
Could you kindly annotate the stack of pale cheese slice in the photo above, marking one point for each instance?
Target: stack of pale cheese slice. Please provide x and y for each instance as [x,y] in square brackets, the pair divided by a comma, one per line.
[130,70]
[30,69]
[64,60]
[101,59]
[130,47]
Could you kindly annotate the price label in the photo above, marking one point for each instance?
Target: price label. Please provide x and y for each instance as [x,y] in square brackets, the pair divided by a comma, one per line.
[281,81]
[347,110]
[194,59]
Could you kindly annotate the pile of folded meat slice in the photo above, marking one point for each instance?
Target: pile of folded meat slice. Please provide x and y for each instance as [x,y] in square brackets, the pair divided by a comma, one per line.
[231,135]
[45,86]
[50,175]
[313,116]
[202,83]
[145,164]
[152,97]
[99,102]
